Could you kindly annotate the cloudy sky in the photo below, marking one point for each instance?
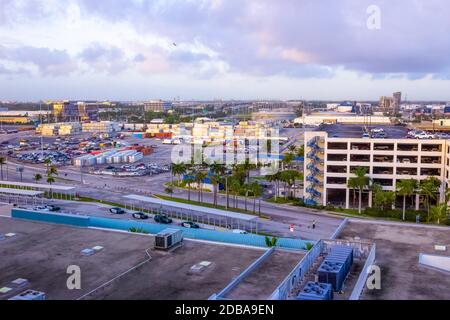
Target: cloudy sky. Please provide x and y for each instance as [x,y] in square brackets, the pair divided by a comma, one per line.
[207,49]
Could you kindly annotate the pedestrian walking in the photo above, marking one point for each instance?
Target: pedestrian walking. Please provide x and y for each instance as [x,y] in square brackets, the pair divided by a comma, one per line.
[314,224]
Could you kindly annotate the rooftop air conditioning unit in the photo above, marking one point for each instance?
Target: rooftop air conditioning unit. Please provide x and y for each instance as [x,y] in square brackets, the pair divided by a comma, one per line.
[168,238]
[29,295]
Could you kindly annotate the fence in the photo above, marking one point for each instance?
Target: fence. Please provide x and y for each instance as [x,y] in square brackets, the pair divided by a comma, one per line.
[61,218]
[239,278]
[361,250]
[339,229]
[360,284]
[153,228]
[297,274]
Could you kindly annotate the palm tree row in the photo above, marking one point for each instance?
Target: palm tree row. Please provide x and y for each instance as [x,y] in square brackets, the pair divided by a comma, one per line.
[288,175]
[236,181]
[428,189]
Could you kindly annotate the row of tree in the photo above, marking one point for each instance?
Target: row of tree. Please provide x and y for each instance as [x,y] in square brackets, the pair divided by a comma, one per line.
[428,189]
[236,181]
[51,171]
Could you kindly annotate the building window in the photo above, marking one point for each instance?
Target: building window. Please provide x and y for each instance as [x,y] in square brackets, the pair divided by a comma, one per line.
[431,147]
[383,147]
[383,170]
[385,159]
[334,180]
[407,147]
[337,157]
[360,158]
[337,145]
[407,171]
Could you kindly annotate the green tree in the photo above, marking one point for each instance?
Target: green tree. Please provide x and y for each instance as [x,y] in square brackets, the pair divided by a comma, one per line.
[276,179]
[287,160]
[439,212]
[382,199]
[199,177]
[50,181]
[301,151]
[177,169]
[53,171]
[360,181]
[217,170]
[256,190]
[169,191]
[187,182]
[406,188]
[429,189]
[47,163]
[37,177]
[234,184]
[271,242]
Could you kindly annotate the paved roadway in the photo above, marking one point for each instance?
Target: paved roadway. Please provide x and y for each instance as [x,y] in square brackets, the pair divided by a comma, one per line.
[113,189]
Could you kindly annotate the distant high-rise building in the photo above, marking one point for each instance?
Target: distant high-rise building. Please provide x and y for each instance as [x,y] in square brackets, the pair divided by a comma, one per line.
[397,100]
[386,103]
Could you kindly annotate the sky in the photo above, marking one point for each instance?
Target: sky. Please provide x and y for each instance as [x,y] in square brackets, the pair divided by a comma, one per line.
[224,49]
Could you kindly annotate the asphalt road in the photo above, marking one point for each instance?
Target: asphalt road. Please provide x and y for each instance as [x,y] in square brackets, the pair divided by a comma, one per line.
[113,189]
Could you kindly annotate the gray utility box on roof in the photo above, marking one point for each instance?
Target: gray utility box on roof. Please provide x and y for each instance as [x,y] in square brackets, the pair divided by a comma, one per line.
[168,238]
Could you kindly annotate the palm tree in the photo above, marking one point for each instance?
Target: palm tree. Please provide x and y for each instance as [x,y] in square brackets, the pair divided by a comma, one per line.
[382,199]
[188,182]
[47,163]
[287,160]
[2,163]
[275,178]
[53,171]
[256,190]
[301,151]
[439,212]
[360,182]
[177,169]
[428,188]
[352,185]
[37,177]
[235,187]
[217,171]
[199,177]
[50,180]
[406,188]
[169,190]
[292,148]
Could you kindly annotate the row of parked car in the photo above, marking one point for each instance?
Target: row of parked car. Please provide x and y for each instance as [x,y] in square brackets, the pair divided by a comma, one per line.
[159,218]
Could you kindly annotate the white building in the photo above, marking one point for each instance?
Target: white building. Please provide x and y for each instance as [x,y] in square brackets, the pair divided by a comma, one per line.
[329,163]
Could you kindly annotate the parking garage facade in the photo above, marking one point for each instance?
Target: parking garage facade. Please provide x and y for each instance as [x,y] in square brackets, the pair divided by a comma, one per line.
[387,161]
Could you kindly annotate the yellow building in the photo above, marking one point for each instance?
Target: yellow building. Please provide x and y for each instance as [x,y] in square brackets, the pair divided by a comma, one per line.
[15,120]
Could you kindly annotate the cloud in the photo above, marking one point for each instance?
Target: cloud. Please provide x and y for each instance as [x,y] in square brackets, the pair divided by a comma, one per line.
[49,62]
[101,58]
[267,37]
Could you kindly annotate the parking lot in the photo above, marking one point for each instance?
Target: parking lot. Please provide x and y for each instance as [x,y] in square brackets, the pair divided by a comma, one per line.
[41,253]
[397,255]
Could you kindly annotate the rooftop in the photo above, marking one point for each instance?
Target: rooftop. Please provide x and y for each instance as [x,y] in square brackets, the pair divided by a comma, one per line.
[356,131]
[41,253]
[398,248]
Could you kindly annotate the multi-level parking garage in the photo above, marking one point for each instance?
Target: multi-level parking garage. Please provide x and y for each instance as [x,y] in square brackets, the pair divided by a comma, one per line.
[332,157]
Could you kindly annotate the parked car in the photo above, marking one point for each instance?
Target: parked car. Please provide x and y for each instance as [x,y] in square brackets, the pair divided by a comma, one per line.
[162,219]
[140,215]
[40,208]
[190,224]
[117,210]
[51,207]
[239,231]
